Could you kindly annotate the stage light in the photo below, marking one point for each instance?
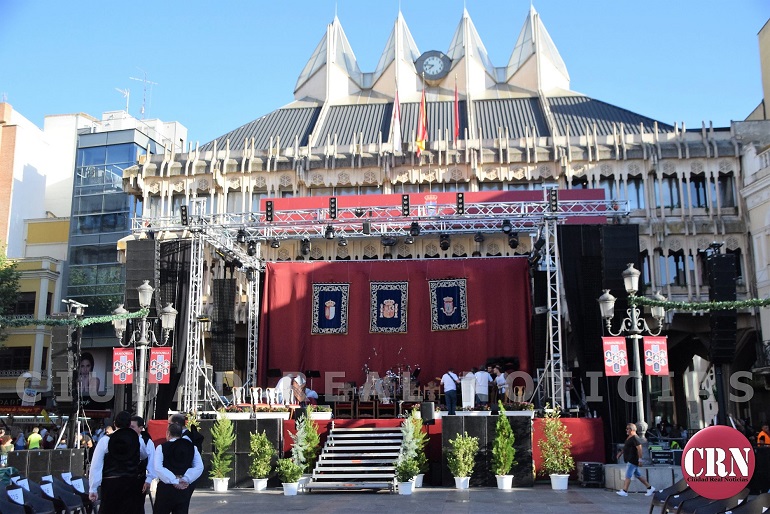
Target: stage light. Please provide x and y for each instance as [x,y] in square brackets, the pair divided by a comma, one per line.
[513,240]
[460,203]
[444,241]
[507,227]
[478,237]
[183,213]
[404,205]
[388,241]
[269,211]
[367,227]
[359,212]
[251,248]
[241,237]
[342,241]
[539,243]
[304,246]
[409,240]
[414,229]
[275,243]
[553,199]
[329,232]
[332,208]
[249,274]
[387,255]
[476,253]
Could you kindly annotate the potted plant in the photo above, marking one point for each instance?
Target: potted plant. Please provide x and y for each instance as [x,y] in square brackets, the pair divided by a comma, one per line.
[555,449]
[503,452]
[461,458]
[289,473]
[222,438]
[261,451]
[420,441]
[406,470]
[306,445]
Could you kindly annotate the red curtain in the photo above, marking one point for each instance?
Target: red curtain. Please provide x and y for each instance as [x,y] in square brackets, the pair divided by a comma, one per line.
[499,312]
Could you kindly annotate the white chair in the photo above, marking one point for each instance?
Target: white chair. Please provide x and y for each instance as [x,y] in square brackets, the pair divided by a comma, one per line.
[285,394]
[256,395]
[271,395]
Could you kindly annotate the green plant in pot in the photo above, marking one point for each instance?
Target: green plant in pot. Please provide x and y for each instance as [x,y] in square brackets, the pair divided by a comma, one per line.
[289,472]
[261,452]
[222,439]
[461,458]
[556,449]
[307,442]
[503,452]
[406,469]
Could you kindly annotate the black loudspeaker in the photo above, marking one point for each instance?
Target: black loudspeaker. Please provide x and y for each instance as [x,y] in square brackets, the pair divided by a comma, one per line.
[451,427]
[60,462]
[428,413]
[241,470]
[223,326]
[243,429]
[18,460]
[724,324]
[273,429]
[140,266]
[62,364]
[39,464]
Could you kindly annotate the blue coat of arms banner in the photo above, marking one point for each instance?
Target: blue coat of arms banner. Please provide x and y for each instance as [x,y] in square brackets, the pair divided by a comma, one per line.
[387,311]
[330,309]
[448,304]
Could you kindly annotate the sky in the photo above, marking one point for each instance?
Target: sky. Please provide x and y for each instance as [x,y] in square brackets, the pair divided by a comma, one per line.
[214,66]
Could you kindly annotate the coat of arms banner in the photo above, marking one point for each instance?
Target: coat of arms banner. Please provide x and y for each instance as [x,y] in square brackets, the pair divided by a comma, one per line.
[388,307]
[330,309]
[448,304]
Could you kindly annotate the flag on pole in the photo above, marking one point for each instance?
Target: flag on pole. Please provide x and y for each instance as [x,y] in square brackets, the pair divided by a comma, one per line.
[422,126]
[615,356]
[655,355]
[457,112]
[122,365]
[395,125]
[160,366]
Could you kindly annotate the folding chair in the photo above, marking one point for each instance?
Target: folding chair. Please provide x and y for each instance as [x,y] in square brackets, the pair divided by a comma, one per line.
[34,504]
[9,507]
[660,497]
[345,408]
[756,506]
[673,502]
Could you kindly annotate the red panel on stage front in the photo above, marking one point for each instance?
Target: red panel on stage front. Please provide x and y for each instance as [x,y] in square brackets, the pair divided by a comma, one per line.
[499,314]
[587,439]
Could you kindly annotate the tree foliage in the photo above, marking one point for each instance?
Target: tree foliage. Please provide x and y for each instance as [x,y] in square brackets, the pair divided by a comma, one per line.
[9,287]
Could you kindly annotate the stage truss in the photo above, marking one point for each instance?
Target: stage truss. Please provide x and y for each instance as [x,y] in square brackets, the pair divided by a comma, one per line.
[229,234]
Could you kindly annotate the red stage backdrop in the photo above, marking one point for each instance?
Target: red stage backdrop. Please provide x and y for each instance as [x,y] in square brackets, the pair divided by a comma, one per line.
[499,315]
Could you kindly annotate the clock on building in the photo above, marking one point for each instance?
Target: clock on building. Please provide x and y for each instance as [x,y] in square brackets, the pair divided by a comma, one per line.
[433,65]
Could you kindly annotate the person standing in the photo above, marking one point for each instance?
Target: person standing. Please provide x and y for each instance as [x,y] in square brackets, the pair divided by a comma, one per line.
[115,467]
[449,382]
[483,379]
[34,439]
[146,465]
[193,436]
[763,438]
[632,454]
[177,464]
[20,443]
[501,383]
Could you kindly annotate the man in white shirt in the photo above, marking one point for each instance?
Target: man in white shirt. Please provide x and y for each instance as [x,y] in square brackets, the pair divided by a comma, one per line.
[501,383]
[177,464]
[449,382]
[483,379]
[115,467]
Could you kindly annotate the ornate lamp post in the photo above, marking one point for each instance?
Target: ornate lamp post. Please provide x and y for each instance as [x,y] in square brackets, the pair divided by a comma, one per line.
[139,338]
[634,325]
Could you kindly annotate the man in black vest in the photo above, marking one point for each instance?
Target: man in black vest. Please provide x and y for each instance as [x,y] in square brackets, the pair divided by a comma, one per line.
[195,437]
[177,465]
[146,472]
[115,468]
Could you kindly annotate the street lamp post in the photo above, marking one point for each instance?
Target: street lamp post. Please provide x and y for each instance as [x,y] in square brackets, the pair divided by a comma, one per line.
[167,319]
[634,325]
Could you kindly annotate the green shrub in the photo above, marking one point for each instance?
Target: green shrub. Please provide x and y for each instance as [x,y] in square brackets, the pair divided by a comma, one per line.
[461,457]
[555,446]
[503,452]
[261,451]
[222,439]
[406,469]
[288,471]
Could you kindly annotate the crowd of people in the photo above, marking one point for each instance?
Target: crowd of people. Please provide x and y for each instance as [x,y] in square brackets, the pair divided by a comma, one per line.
[490,385]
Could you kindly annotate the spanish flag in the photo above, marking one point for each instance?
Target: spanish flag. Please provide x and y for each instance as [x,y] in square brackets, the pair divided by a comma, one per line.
[422,127]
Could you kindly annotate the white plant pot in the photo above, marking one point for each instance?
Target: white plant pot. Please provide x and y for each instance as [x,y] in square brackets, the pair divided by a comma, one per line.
[559,482]
[303,481]
[290,488]
[418,480]
[260,484]
[462,482]
[504,481]
[220,484]
[405,488]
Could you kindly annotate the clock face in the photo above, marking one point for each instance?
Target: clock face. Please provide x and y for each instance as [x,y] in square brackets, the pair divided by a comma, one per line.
[434,65]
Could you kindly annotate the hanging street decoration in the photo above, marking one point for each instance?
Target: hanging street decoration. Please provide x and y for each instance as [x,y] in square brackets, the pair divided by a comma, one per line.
[84,322]
[699,306]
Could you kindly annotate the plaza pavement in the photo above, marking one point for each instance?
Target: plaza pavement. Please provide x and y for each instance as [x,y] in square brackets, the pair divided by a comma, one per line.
[539,499]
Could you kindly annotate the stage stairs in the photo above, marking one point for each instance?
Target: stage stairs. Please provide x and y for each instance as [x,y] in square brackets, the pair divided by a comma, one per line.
[357,458]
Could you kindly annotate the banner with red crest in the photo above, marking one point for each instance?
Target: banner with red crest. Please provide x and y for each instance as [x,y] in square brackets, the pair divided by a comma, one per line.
[655,356]
[615,356]
[160,366]
[122,366]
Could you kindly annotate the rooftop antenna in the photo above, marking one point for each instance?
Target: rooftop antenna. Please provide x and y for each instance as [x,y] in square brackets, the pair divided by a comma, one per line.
[144,89]
[126,94]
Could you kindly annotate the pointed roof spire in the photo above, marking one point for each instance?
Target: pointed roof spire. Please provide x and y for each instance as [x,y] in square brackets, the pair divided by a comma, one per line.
[534,40]
[467,42]
[400,45]
[333,48]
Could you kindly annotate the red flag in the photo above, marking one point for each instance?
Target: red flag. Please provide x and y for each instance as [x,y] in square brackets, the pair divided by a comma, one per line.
[615,356]
[160,366]
[457,112]
[655,356]
[122,365]
[422,127]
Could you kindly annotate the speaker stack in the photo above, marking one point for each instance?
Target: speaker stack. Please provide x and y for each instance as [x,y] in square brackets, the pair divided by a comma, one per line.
[724,324]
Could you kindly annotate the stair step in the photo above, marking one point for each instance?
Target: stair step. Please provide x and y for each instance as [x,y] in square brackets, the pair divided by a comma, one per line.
[366,429]
[332,486]
[335,456]
[340,449]
[344,442]
[392,435]
[389,476]
[363,469]
[355,461]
